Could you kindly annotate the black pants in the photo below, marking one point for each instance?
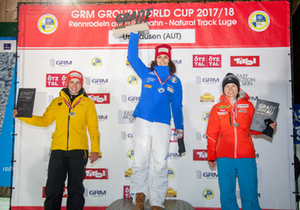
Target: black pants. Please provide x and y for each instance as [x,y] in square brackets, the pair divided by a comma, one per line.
[61,164]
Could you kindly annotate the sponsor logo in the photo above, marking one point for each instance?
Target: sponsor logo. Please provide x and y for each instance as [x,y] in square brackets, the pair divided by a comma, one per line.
[132,80]
[171,173]
[125,117]
[96,62]
[7,46]
[253,98]
[47,24]
[207,80]
[132,99]
[206,175]
[208,194]
[60,63]
[245,80]
[123,135]
[199,155]
[259,21]
[96,173]
[173,155]
[173,79]
[128,173]
[148,86]
[56,80]
[207,61]
[100,98]
[126,192]
[170,89]
[244,61]
[171,193]
[177,62]
[205,116]
[102,118]
[207,97]
[96,193]
[150,79]
[130,154]
[243,105]
[99,81]
[199,136]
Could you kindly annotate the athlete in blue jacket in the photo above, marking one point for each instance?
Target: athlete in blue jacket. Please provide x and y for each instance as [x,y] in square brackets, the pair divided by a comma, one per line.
[161,93]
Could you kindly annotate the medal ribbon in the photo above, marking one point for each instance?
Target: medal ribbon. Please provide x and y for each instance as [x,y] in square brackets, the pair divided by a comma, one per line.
[69,105]
[159,79]
[234,111]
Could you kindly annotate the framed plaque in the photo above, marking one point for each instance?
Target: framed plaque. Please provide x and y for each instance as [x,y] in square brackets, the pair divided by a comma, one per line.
[25,102]
[264,114]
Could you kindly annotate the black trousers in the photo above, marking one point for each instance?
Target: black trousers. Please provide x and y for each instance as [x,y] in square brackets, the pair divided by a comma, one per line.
[64,164]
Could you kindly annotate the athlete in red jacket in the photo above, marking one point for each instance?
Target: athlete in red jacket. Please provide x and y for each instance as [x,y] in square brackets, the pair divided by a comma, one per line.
[229,143]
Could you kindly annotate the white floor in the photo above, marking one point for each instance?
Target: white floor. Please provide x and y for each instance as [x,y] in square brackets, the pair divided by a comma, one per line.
[4,203]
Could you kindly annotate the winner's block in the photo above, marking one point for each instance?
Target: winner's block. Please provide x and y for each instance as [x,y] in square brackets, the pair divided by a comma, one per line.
[170,204]
[130,28]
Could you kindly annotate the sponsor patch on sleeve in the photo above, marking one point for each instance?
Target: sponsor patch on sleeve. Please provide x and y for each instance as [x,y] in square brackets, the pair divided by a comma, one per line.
[148,86]
[225,106]
[170,89]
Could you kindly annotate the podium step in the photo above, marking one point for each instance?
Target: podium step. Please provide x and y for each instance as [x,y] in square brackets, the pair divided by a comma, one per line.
[170,204]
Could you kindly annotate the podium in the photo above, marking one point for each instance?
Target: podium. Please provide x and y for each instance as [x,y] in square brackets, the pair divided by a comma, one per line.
[170,204]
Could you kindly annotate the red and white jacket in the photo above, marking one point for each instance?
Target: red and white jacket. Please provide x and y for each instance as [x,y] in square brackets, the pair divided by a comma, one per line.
[228,131]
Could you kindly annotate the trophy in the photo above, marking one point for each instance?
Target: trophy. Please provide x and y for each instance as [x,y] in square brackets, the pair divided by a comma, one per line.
[141,21]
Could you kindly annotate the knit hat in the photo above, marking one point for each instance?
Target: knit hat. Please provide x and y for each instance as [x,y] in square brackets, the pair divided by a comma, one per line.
[74,74]
[163,49]
[230,78]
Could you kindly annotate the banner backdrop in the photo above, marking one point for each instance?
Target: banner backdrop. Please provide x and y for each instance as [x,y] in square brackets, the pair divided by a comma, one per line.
[209,40]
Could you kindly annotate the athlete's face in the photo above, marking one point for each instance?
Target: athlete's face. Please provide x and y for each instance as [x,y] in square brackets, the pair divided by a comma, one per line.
[162,60]
[74,86]
[231,90]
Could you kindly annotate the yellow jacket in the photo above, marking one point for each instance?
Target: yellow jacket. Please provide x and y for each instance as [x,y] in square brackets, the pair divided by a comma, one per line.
[71,124]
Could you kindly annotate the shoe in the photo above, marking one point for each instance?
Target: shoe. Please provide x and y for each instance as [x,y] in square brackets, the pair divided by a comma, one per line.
[156,208]
[140,200]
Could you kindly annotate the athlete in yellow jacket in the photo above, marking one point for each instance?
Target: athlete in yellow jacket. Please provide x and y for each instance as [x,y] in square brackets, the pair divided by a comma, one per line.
[73,113]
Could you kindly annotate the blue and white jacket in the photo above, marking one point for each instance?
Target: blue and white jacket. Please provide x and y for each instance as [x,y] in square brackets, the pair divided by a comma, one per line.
[156,100]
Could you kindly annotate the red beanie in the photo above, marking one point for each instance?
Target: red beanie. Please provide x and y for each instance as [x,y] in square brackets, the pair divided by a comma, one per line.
[163,49]
[74,74]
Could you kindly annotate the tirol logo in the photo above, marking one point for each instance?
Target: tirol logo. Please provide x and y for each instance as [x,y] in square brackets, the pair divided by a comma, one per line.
[171,193]
[208,194]
[96,62]
[100,98]
[259,21]
[132,80]
[126,192]
[47,24]
[199,155]
[207,61]
[245,80]
[96,173]
[244,61]
[56,80]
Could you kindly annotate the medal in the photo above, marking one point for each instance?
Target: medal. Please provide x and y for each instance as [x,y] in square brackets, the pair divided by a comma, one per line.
[161,90]
[236,125]
[72,114]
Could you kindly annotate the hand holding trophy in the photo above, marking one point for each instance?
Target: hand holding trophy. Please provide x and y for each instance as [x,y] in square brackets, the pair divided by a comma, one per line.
[133,22]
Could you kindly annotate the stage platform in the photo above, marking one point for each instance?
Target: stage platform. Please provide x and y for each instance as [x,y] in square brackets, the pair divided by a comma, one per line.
[170,204]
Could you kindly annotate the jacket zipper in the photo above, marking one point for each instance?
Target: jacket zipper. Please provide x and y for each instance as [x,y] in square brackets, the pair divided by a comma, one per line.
[68,130]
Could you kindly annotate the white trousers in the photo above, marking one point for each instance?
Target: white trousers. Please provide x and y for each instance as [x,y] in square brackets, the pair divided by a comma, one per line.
[151,142]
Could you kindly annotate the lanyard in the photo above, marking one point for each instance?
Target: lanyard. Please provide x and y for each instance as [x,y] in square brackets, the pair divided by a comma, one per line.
[69,105]
[234,111]
[159,79]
